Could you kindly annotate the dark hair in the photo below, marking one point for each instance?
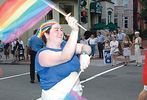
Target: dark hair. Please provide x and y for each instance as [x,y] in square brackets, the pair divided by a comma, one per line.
[87,34]
[35,31]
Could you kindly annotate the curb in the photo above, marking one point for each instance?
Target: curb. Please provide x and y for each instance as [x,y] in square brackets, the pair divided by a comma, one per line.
[15,63]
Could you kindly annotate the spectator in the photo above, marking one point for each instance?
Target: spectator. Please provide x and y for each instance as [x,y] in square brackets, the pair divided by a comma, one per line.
[92,41]
[1,50]
[100,41]
[7,50]
[126,45]
[114,49]
[35,44]
[21,49]
[83,40]
[120,37]
[13,44]
[137,43]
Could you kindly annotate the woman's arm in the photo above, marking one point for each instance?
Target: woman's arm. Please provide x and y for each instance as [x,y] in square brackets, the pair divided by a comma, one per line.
[83,48]
[84,51]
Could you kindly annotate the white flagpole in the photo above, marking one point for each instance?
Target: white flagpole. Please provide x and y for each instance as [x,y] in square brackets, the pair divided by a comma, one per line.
[53,6]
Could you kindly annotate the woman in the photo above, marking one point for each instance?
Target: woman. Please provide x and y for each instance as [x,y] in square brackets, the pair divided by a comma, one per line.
[114,49]
[57,64]
[143,93]
[126,44]
[137,43]
[92,41]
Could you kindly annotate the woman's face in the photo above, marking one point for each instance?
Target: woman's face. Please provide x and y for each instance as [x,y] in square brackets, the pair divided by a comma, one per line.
[56,33]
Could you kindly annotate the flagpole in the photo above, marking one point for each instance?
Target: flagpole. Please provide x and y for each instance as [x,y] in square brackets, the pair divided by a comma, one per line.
[75,81]
[53,6]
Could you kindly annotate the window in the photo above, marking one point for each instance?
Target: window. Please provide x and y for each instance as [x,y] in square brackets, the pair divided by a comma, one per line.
[49,16]
[126,5]
[68,8]
[109,16]
[115,21]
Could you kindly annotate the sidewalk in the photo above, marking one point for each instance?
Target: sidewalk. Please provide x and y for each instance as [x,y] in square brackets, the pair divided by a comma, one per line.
[10,61]
[94,61]
[120,59]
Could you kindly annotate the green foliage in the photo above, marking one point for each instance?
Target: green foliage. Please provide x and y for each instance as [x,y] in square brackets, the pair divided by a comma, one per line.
[144,34]
[144,10]
[144,2]
[144,14]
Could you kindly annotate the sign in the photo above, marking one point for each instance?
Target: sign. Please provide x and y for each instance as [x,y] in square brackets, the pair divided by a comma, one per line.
[107,57]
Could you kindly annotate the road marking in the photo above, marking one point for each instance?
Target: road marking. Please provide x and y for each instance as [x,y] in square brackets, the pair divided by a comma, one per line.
[88,79]
[13,76]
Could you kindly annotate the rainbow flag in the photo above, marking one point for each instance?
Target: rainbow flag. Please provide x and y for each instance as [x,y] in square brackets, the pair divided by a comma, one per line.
[17,16]
[72,95]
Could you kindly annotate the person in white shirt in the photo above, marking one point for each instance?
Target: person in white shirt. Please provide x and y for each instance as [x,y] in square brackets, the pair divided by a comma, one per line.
[92,41]
[114,49]
[137,44]
[83,40]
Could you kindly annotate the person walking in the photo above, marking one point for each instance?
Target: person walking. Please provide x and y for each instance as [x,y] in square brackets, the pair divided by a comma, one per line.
[34,44]
[58,64]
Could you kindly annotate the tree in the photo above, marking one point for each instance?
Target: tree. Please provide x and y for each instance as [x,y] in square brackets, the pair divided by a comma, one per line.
[144,10]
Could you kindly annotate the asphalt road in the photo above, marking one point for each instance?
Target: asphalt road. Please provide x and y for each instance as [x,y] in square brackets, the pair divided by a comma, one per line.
[105,82]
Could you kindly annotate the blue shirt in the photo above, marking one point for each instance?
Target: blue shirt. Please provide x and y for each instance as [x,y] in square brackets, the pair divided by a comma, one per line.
[100,38]
[120,36]
[50,76]
[35,43]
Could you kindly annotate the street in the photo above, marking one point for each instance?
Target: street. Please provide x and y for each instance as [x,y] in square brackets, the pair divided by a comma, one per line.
[105,82]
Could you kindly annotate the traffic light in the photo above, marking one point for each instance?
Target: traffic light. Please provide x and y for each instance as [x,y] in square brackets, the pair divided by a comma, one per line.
[83,3]
[84,16]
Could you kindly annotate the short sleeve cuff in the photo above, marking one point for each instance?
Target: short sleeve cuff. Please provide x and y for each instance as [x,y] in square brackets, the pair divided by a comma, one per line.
[145,87]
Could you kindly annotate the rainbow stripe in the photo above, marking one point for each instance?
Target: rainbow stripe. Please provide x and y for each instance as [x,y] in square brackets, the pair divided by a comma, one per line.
[74,96]
[45,26]
[17,16]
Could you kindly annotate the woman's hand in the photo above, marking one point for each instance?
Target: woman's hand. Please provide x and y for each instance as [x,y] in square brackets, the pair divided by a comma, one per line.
[84,61]
[72,22]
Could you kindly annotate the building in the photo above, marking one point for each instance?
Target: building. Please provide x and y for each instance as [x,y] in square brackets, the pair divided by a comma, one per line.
[81,10]
[139,23]
[123,14]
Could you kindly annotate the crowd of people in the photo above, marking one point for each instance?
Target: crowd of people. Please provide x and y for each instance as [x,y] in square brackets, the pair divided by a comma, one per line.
[15,48]
[117,42]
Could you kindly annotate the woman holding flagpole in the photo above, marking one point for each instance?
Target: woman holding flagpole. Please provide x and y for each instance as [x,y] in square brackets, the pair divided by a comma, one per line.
[57,64]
